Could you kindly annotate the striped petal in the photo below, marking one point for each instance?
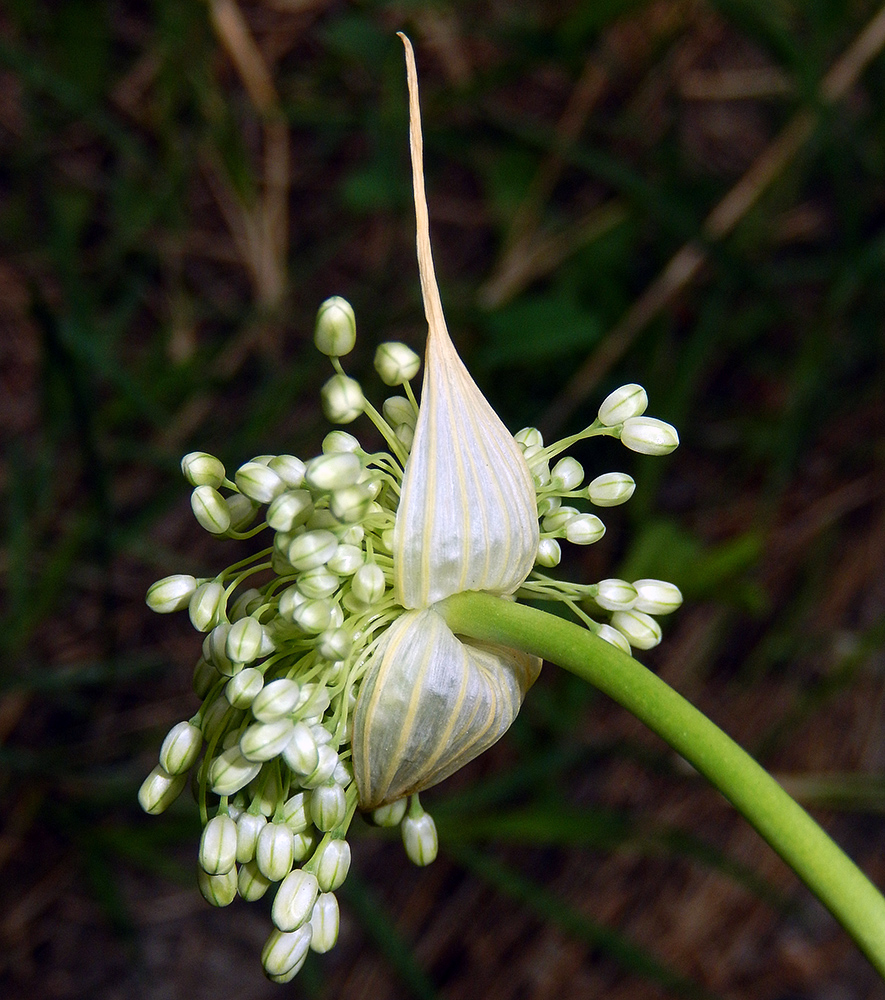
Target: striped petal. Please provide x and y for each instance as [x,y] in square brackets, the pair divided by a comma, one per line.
[467,518]
[429,704]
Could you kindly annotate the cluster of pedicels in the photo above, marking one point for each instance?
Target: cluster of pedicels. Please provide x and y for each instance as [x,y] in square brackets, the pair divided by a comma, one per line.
[329,678]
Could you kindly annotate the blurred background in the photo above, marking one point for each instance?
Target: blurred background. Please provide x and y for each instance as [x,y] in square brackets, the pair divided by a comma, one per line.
[685,193]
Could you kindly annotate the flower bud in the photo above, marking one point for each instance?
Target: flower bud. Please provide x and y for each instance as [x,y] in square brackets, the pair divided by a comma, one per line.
[342,399]
[420,838]
[251,883]
[294,900]
[398,410]
[657,597]
[205,675]
[566,475]
[284,953]
[331,862]
[218,845]
[312,549]
[277,700]
[558,518]
[615,595]
[346,560]
[549,553]
[352,503]
[289,468]
[296,812]
[301,752]
[242,688]
[317,583]
[219,890]
[396,363]
[250,600]
[622,404]
[327,762]
[290,509]
[328,806]
[244,640]
[249,826]
[641,630]
[614,638]
[210,510]
[611,489]
[258,482]
[336,441]
[335,644]
[335,332]
[313,617]
[215,650]
[368,583]
[263,741]
[159,790]
[274,851]
[547,505]
[230,771]
[172,593]
[180,748]
[529,437]
[207,605]
[585,529]
[202,469]
[649,436]
[324,919]
[333,472]
[242,511]
[391,814]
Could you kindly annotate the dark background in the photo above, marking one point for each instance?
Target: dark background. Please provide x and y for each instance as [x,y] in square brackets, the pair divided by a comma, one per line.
[181,184]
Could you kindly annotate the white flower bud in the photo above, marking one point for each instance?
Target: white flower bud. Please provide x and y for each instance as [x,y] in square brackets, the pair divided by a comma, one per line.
[172,593]
[265,740]
[289,468]
[205,675]
[649,436]
[243,643]
[368,583]
[328,806]
[249,600]
[215,650]
[301,752]
[207,605]
[324,919]
[274,851]
[180,748]
[230,771]
[210,510]
[640,629]
[346,560]
[614,638]
[566,474]
[277,699]
[318,582]
[336,441]
[312,549]
[352,503]
[335,644]
[242,688]
[611,489]
[267,794]
[585,529]
[342,399]
[288,510]
[331,862]
[328,761]
[396,363]
[219,890]
[622,404]
[214,715]
[290,599]
[242,511]
[529,437]
[657,597]
[313,617]
[397,410]
[420,839]
[202,469]
[615,595]
[218,845]
[296,812]
[333,472]
[251,883]
[335,332]
[284,953]
[303,844]
[547,505]
[391,814]
[313,702]
[405,434]
[258,482]
[549,553]
[352,535]
[249,826]
[557,519]
[294,900]
[159,790]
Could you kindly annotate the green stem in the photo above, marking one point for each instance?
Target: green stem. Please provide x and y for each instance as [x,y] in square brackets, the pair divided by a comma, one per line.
[839,884]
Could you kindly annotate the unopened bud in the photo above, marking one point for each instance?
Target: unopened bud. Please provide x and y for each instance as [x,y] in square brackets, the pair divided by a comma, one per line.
[342,399]
[202,469]
[284,953]
[218,845]
[207,605]
[396,363]
[294,900]
[649,436]
[159,790]
[549,553]
[641,630]
[258,482]
[210,510]
[172,593]
[219,890]
[274,851]
[420,838]
[657,597]
[333,471]
[180,748]
[331,863]
[626,402]
[611,489]
[369,583]
[566,475]
[324,919]
[615,595]
[335,332]
[585,529]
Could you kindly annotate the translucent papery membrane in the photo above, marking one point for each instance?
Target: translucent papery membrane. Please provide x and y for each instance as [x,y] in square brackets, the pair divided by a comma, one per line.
[429,704]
